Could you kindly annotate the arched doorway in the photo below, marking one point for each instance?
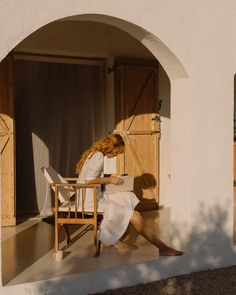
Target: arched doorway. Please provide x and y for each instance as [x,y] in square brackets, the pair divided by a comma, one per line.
[144,37]
[149,43]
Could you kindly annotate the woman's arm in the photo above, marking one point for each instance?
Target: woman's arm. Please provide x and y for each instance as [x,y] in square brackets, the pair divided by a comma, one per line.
[106,180]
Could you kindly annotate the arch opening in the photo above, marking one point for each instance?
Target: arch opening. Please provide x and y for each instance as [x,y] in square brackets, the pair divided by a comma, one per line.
[171,67]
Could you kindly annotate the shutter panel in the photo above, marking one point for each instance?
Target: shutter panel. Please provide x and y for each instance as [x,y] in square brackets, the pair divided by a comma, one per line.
[7,143]
[137,119]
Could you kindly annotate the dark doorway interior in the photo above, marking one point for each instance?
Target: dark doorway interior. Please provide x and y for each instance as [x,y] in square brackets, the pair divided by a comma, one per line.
[59,113]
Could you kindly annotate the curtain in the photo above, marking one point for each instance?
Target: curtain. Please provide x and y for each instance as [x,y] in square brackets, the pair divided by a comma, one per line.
[59,112]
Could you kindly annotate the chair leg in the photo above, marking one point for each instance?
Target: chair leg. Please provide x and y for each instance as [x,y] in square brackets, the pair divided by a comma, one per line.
[97,243]
[98,249]
[56,241]
[68,239]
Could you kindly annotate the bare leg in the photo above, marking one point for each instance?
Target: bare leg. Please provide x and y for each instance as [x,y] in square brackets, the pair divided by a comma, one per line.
[129,237]
[164,250]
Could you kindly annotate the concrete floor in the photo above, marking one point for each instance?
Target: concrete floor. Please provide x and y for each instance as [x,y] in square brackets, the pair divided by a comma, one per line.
[28,247]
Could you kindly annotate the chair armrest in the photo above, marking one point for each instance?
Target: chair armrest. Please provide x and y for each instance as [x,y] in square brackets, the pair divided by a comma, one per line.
[74,185]
[70,178]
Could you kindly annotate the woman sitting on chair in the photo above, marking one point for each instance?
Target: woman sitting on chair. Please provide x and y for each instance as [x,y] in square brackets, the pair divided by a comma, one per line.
[119,208]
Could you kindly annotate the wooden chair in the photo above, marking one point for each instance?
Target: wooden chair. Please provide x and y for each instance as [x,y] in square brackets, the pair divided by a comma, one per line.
[70,206]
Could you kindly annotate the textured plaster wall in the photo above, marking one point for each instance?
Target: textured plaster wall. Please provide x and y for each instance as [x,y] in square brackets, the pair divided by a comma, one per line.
[195,43]
[165,141]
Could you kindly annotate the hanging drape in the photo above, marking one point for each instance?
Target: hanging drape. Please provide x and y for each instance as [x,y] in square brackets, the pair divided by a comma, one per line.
[59,113]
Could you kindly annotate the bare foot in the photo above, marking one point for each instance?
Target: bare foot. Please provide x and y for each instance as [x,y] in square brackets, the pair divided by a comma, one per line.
[133,247]
[170,252]
[130,245]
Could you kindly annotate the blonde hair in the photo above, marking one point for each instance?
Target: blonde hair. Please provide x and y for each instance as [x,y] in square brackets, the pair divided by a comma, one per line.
[111,143]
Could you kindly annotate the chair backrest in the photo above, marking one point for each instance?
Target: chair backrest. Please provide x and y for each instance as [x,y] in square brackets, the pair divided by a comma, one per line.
[53,176]
[72,208]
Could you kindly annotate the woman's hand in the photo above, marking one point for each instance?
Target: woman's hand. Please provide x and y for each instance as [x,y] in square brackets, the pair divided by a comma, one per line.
[116,180]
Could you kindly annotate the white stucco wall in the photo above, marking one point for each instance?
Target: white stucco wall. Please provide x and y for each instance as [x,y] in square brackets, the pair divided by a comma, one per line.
[195,43]
[165,140]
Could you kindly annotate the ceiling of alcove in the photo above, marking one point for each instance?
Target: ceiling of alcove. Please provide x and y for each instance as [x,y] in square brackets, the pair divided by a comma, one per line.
[84,38]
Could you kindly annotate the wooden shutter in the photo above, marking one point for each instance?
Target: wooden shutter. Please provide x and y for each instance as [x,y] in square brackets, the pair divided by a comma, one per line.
[137,119]
[7,143]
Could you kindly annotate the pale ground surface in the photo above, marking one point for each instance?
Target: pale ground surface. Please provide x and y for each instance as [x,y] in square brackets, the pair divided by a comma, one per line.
[211,282]
[28,247]
[27,257]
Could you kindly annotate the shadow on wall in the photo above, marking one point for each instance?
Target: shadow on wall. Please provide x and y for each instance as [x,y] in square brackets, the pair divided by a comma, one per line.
[144,182]
[144,188]
[207,246]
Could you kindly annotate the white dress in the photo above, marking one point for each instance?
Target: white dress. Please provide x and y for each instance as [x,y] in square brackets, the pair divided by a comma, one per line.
[117,208]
